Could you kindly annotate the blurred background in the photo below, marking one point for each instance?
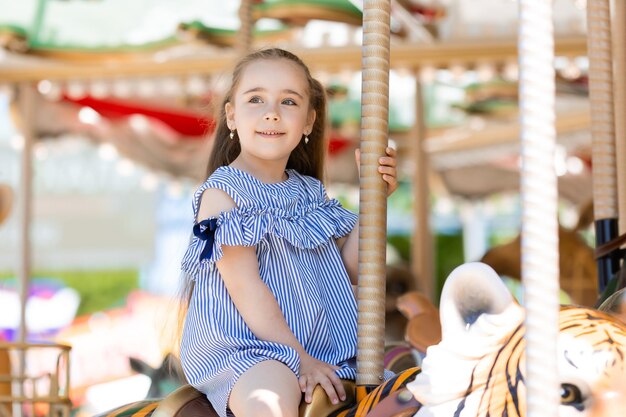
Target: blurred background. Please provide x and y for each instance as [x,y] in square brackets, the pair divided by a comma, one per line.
[112,103]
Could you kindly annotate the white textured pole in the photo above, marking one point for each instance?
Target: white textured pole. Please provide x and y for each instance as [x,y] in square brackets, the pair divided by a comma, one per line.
[540,263]
[373,193]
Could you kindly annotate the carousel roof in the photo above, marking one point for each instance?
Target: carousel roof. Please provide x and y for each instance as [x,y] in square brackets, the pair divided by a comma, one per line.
[142,74]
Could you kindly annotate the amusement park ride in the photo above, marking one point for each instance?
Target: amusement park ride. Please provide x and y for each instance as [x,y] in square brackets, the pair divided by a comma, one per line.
[494,358]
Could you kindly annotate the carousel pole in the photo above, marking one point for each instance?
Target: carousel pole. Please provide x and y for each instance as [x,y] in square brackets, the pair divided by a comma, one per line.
[603,133]
[373,195]
[246,21]
[540,258]
[23,109]
[422,241]
[619,82]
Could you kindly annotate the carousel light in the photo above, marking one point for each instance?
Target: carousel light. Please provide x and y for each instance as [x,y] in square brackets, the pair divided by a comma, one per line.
[485,72]
[76,89]
[458,71]
[17,142]
[122,88]
[139,123]
[575,165]
[125,167]
[107,152]
[175,189]
[571,71]
[146,88]
[88,116]
[99,89]
[50,90]
[149,182]
[511,71]
[444,206]
[195,85]
[170,86]
[582,62]
[44,87]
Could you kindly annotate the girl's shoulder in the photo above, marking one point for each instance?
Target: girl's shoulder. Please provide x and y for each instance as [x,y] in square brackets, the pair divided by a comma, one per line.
[220,179]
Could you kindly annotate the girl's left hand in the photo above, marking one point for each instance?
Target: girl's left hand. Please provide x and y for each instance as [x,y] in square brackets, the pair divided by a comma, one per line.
[386,166]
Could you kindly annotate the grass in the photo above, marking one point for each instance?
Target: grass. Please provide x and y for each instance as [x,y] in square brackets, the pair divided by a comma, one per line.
[98,290]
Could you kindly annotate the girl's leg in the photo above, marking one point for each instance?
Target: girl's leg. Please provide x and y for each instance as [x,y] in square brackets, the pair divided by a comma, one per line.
[268,389]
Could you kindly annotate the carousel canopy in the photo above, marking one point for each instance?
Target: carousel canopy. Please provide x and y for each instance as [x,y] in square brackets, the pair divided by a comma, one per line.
[145,75]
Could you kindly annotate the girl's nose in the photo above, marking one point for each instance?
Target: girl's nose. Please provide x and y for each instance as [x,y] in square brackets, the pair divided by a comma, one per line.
[272,115]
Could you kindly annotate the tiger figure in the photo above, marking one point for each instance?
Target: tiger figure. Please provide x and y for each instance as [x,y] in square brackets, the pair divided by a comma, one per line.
[477,370]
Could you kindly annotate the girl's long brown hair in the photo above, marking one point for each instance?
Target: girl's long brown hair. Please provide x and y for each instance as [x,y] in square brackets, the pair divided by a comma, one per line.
[306,158]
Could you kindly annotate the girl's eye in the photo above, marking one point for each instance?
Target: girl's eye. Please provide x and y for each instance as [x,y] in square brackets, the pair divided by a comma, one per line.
[289,102]
[255,99]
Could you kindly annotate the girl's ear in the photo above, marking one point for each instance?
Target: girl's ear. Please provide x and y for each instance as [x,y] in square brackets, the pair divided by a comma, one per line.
[310,120]
[229,110]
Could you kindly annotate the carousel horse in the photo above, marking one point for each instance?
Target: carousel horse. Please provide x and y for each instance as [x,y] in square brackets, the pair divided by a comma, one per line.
[577,265]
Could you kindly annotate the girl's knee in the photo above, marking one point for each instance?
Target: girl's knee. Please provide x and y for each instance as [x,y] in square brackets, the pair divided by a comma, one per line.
[265,403]
[268,389]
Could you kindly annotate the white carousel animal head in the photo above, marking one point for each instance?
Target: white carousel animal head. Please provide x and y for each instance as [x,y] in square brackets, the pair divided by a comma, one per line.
[478,368]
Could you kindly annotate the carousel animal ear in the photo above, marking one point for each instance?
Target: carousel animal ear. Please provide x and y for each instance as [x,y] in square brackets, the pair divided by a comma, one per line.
[471,290]
[616,303]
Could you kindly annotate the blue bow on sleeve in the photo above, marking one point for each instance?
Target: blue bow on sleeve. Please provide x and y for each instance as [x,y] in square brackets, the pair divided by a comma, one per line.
[205,230]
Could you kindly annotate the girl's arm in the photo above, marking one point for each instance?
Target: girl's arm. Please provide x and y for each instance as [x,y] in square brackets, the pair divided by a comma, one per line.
[349,245]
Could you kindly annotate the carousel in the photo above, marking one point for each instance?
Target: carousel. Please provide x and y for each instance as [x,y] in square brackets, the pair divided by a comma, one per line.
[528,102]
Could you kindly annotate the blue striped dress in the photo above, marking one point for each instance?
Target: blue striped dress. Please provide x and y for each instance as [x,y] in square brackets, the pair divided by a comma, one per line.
[293,226]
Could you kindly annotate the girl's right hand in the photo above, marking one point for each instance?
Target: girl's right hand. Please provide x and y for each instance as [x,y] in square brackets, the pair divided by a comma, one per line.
[313,372]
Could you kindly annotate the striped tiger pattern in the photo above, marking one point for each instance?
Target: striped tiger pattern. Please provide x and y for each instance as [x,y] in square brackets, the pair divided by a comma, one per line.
[369,402]
[592,351]
[478,368]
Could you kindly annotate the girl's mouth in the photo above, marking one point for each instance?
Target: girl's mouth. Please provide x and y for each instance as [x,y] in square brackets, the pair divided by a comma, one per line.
[270,133]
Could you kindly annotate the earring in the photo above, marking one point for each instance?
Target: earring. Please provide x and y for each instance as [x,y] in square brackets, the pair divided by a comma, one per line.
[232,134]
[306,139]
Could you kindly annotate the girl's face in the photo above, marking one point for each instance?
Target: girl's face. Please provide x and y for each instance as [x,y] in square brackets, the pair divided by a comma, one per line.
[270,109]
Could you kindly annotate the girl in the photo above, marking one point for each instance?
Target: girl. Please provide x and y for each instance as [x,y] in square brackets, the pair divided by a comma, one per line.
[271,312]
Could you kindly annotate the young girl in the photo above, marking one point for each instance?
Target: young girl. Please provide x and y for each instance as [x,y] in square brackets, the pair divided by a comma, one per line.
[271,310]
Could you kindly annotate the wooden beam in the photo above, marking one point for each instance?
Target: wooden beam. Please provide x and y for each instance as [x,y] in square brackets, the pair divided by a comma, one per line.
[408,56]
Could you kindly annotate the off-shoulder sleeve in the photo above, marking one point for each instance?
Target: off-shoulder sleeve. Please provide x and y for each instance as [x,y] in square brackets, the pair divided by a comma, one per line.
[308,228]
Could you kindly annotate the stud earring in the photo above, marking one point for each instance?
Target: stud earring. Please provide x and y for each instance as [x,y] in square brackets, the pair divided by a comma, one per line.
[306,139]
[232,134]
